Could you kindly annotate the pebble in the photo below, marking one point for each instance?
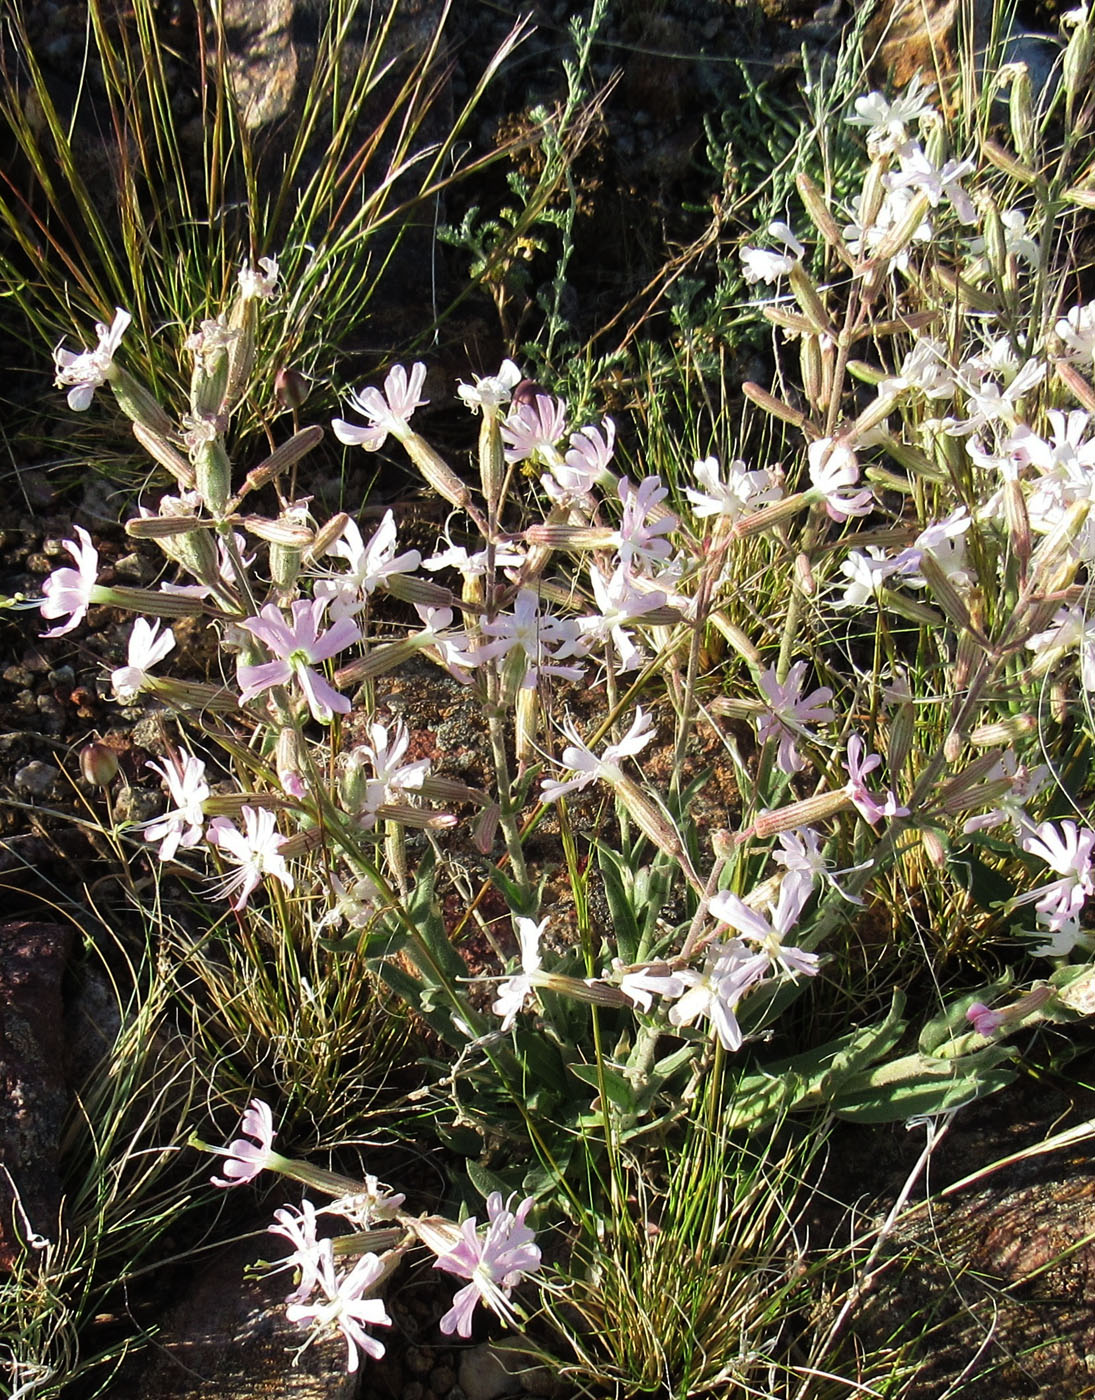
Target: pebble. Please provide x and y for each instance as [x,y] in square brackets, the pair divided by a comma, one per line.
[37,779]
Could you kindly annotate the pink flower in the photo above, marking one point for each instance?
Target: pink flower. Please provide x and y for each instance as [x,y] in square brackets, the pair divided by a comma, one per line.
[254,851]
[983,1021]
[296,647]
[387,412]
[543,639]
[533,429]
[495,1263]
[789,712]
[72,590]
[344,1308]
[1066,849]
[299,1228]
[244,1160]
[579,759]
[640,541]
[866,802]
[584,464]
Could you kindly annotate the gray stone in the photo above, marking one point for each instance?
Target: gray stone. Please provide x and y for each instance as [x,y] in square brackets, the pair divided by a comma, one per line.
[485,1373]
[37,779]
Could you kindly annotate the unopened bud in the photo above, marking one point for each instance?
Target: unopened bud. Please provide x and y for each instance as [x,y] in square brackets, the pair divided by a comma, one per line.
[98,764]
[805,813]
[213,476]
[137,403]
[1021,113]
[902,233]
[1058,701]
[776,407]
[934,848]
[1004,732]
[1003,160]
[208,383]
[809,359]
[290,388]
[1018,521]
[822,216]
[160,450]
[1077,62]
[806,294]
[952,746]
[804,575]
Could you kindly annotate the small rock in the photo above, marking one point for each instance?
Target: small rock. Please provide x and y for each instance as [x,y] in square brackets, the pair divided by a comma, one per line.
[442,1379]
[64,677]
[484,1374]
[37,779]
[17,675]
[418,1360]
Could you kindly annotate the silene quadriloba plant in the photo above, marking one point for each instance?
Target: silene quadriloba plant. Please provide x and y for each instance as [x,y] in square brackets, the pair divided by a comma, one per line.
[901,611]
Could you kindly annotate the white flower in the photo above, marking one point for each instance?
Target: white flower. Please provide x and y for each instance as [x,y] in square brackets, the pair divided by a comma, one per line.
[936,182]
[886,122]
[147,646]
[755,928]
[729,970]
[299,1228]
[741,492]
[182,824]
[1067,850]
[589,768]
[343,1307]
[643,984]
[1077,330]
[515,992]
[91,368]
[762,265]
[370,566]
[834,471]
[491,391]
[255,852]
[387,412]
[260,282]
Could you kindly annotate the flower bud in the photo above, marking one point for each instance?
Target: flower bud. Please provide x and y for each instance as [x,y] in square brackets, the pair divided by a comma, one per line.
[208,383]
[1021,113]
[290,388]
[98,764]
[137,403]
[213,474]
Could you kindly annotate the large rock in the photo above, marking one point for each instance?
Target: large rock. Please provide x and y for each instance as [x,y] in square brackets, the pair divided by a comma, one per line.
[227,1338]
[33,1097]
